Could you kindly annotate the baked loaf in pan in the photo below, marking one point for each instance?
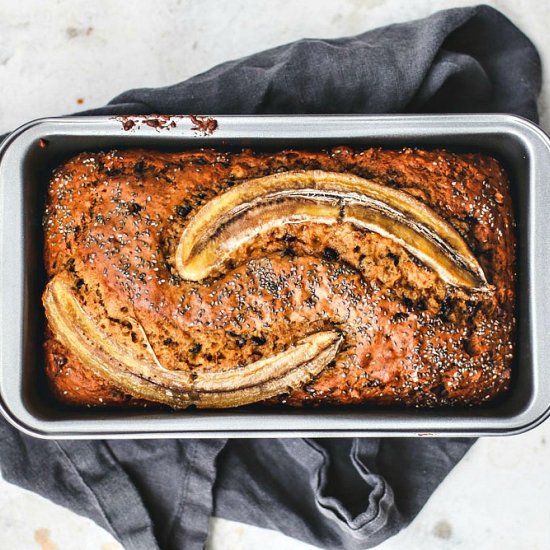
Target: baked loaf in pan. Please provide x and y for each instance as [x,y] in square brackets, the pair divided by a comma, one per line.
[220,279]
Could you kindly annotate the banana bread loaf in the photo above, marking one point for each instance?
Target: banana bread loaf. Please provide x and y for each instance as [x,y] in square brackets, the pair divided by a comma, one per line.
[220,279]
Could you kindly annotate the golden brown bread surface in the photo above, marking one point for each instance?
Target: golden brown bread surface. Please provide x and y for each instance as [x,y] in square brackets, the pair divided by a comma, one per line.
[112,226]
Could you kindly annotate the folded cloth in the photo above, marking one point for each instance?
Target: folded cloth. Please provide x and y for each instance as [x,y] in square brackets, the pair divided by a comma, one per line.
[333,493]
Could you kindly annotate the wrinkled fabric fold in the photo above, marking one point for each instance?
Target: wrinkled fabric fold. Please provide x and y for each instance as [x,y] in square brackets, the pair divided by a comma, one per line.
[458,60]
[338,493]
[333,493]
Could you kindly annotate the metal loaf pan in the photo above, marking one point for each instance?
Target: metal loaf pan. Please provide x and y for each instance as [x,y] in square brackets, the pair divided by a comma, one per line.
[25,167]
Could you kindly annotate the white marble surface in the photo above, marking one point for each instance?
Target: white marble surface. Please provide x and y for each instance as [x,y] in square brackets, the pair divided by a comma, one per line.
[60,56]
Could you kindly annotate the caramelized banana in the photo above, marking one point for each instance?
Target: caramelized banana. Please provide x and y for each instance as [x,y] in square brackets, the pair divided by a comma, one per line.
[136,370]
[237,216]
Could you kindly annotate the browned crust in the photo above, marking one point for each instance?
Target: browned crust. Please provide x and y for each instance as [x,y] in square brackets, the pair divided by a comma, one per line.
[429,347]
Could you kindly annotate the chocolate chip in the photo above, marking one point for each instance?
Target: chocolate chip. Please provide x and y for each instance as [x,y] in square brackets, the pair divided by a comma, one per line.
[408,303]
[446,308]
[134,207]
[393,257]
[330,254]
[422,304]
[139,167]
[473,306]
[258,340]
[468,346]
[195,348]
[239,340]
[183,210]
[113,172]
[289,238]
[79,284]
[168,341]
[439,390]
[310,301]
[289,252]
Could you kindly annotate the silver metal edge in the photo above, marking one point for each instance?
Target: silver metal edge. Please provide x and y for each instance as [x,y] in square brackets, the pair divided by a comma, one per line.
[534,139]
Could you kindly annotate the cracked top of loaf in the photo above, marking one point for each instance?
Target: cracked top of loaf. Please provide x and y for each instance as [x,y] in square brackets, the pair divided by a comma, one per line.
[403,334]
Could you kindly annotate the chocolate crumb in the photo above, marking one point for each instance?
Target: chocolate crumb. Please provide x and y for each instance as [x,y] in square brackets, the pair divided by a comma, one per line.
[206,125]
[127,122]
